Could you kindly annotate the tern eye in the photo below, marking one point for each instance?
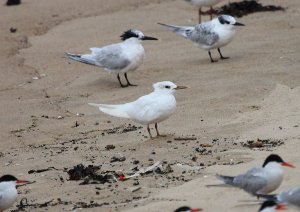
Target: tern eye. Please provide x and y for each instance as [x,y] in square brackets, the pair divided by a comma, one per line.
[167,87]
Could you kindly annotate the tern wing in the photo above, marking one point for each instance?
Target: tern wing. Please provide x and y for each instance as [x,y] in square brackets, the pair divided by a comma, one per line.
[184,31]
[291,197]
[111,57]
[78,57]
[252,181]
[113,110]
[204,34]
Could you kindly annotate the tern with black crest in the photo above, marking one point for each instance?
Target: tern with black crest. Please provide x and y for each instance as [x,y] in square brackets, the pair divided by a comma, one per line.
[262,179]
[209,35]
[149,109]
[117,58]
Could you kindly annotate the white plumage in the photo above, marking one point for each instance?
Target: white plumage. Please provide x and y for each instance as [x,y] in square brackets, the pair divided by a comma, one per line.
[149,109]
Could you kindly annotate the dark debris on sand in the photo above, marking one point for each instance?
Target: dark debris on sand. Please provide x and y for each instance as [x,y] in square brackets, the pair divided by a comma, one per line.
[263,143]
[90,175]
[13,2]
[25,205]
[239,9]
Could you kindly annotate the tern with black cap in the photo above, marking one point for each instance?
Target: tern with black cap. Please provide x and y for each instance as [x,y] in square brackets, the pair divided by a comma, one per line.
[149,109]
[117,58]
[271,206]
[260,180]
[209,35]
[8,191]
[187,209]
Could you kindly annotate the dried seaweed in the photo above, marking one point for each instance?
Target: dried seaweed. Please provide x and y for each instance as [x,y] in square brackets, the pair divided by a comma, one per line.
[239,9]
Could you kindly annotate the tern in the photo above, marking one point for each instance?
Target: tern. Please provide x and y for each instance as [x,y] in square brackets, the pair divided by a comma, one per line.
[117,58]
[209,35]
[149,109]
[8,191]
[260,180]
[187,209]
[271,206]
[204,3]
[291,197]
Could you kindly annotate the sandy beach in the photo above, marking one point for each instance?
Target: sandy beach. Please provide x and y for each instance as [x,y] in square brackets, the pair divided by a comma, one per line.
[46,121]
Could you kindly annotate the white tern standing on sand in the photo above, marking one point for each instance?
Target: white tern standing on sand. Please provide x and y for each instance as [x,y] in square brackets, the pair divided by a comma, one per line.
[271,206]
[8,191]
[117,58]
[291,197]
[149,109]
[204,3]
[209,35]
[260,180]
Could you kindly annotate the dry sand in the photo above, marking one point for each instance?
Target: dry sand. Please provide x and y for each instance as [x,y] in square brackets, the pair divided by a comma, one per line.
[255,94]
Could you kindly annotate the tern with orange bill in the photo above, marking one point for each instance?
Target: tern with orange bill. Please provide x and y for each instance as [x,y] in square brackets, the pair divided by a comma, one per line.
[260,180]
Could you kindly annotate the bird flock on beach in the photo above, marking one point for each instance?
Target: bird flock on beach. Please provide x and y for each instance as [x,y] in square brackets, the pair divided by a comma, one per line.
[151,109]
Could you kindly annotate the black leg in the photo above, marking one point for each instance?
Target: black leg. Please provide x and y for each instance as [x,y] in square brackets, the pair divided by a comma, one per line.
[148,128]
[209,53]
[128,83]
[199,14]
[156,129]
[211,13]
[123,86]
[221,56]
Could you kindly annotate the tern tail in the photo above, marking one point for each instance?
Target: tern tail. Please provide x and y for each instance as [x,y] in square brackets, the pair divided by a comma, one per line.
[183,31]
[113,110]
[80,58]
[226,179]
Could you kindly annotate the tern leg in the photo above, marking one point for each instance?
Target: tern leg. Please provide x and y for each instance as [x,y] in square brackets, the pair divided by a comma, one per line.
[123,86]
[148,128]
[211,12]
[128,83]
[156,128]
[199,13]
[209,53]
[221,56]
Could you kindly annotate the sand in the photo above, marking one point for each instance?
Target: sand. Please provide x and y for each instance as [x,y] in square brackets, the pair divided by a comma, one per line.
[255,94]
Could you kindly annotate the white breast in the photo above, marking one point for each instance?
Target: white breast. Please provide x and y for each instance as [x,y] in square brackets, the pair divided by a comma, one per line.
[135,53]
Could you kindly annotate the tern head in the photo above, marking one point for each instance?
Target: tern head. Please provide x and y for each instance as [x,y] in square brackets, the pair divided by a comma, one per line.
[134,33]
[276,159]
[228,21]
[271,206]
[187,209]
[11,179]
[167,87]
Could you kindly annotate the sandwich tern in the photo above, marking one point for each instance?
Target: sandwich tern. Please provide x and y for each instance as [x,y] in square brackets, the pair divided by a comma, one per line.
[8,191]
[259,180]
[213,34]
[149,109]
[271,206]
[119,57]
[291,197]
[204,3]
